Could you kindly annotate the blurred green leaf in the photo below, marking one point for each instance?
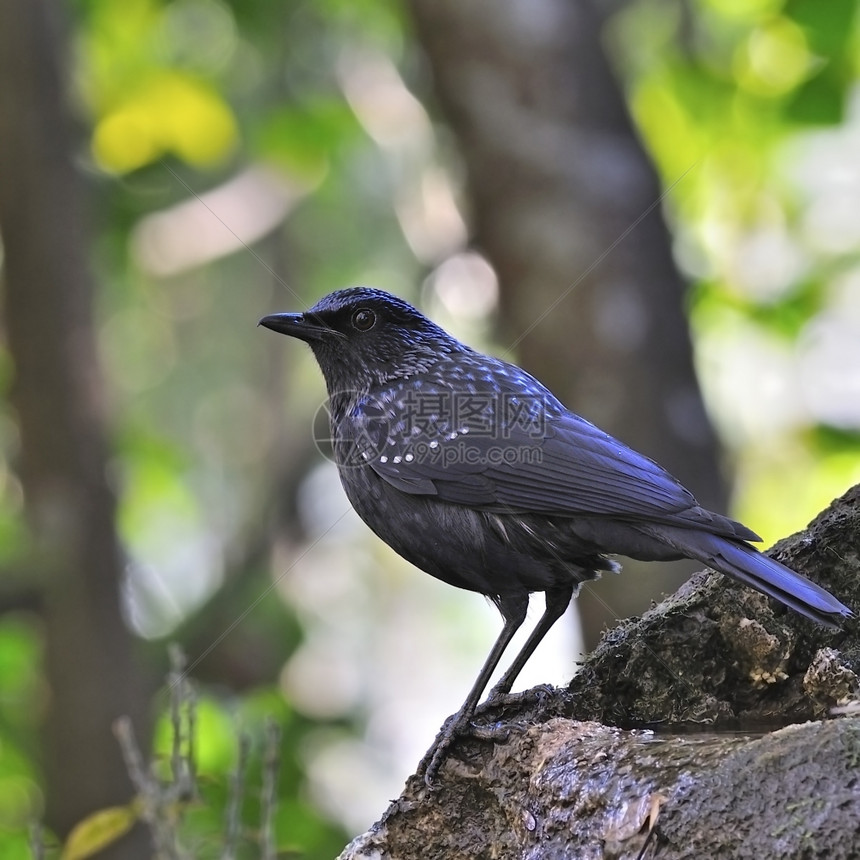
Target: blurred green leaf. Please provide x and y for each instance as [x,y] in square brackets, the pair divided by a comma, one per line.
[818,101]
[15,845]
[829,25]
[835,440]
[303,138]
[20,653]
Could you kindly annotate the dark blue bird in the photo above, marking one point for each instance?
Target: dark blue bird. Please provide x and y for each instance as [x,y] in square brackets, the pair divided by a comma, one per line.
[473,471]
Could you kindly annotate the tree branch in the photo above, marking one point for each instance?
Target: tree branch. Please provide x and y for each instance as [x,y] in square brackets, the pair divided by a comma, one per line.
[565,772]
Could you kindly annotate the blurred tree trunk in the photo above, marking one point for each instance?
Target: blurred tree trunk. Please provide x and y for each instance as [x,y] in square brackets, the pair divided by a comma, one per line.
[556,176]
[57,394]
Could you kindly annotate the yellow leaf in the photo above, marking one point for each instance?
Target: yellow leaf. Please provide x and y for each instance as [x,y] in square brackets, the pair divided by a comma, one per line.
[169,111]
[99,830]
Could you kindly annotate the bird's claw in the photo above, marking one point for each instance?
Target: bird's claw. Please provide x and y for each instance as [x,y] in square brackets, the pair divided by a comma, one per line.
[453,728]
[499,694]
[432,767]
[499,732]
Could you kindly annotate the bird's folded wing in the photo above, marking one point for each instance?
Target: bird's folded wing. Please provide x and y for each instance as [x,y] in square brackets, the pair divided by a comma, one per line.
[571,468]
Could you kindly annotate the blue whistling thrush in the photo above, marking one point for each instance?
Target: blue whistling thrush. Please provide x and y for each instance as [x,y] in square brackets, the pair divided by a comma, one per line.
[473,471]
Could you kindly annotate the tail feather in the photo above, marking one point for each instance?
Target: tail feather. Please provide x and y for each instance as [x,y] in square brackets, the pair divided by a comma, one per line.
[751,567]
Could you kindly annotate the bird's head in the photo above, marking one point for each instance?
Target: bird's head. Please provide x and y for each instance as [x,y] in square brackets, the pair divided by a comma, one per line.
[363,338]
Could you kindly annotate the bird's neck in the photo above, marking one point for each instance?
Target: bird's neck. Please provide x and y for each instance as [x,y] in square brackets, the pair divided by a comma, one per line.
[343,401]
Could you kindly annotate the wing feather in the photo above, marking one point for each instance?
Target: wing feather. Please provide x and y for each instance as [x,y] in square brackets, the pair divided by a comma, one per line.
[569,469]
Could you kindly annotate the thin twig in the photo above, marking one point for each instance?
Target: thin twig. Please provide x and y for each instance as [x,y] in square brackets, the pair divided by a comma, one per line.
[37,841]
[234,805]
[160,803]
[152,806]
[183,709]
[269,795]
[177,695]
[191,757]
[131,754]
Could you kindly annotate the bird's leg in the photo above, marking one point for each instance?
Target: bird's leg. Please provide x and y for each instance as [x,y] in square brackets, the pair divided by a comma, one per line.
[513,610]
[557,601]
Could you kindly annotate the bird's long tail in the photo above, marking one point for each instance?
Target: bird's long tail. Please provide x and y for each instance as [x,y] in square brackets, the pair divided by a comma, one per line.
[746,564]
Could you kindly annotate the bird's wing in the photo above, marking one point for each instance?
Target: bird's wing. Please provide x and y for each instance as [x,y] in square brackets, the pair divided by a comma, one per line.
[578,468]
[544,460]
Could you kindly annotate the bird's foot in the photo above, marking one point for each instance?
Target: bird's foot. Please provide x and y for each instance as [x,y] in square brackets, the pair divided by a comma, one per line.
[497,693]
[454,727]
[502,695]
[499,732]
[460,725]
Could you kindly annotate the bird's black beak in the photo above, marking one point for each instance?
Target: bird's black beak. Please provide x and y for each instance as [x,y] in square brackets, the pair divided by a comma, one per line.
[302,326]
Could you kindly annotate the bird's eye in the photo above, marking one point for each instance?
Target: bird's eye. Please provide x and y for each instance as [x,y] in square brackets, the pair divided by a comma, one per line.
[364,319]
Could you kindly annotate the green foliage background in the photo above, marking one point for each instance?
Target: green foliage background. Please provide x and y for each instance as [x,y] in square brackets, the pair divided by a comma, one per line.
[749,110]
